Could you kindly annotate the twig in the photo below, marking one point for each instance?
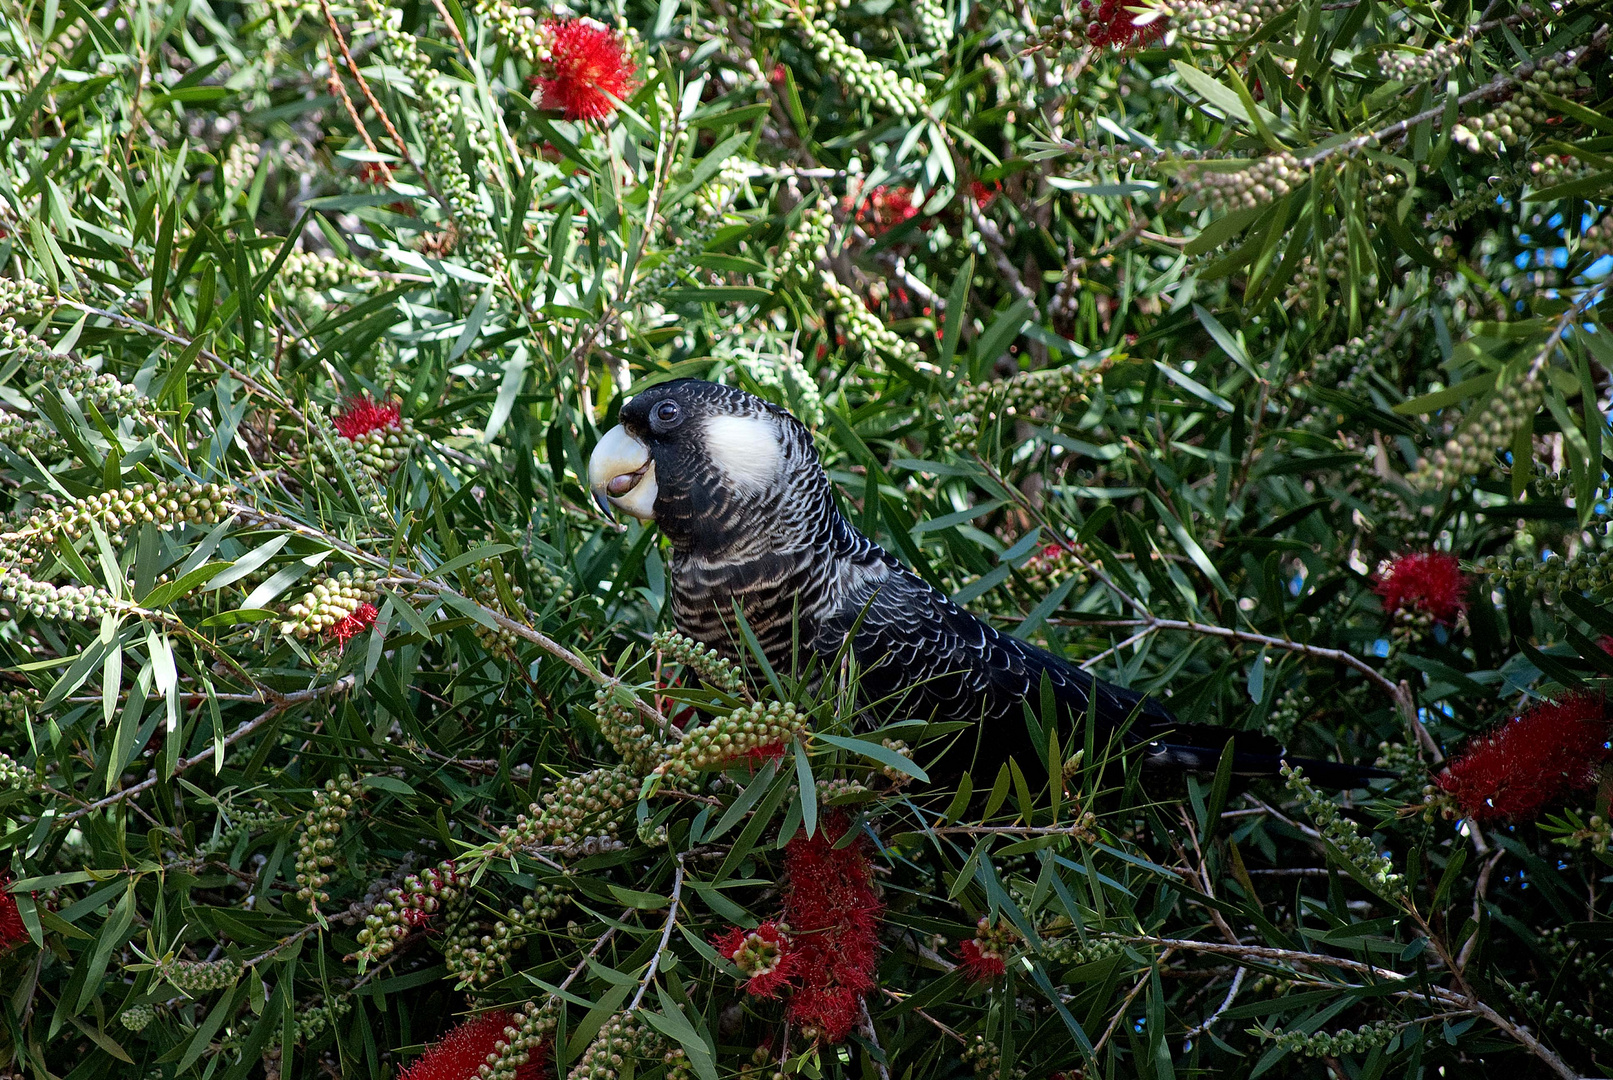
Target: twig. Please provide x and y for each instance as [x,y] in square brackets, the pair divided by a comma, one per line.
[212,358]
[572,660]
[666,933]
[1120,1014]
[1226,1003]
[865,1027]
[280,703]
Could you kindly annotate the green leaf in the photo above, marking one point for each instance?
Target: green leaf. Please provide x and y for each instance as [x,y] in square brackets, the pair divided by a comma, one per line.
[882,754]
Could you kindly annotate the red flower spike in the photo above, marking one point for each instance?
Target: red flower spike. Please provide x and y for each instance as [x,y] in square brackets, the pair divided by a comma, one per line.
[1427,583]
[348,626]
[833,912]
[884,209]
[1531,760]
[12,931]
[591,70]
[1116,24]
[764,954]
[978,965]
[464,1050]
[983,193]
[363,416]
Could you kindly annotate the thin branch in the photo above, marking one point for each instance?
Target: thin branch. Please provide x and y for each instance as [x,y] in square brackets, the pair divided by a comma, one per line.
[666,933]
[280,704]
[1226,1003]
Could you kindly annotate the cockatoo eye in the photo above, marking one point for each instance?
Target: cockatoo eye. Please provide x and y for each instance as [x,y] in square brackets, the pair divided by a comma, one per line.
[667,414]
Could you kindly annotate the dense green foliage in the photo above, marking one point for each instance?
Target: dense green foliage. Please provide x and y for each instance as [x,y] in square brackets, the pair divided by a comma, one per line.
[324,723]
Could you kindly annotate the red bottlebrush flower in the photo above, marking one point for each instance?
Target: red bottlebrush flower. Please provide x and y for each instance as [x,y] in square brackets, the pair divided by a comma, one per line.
[884,209]
[1425,582]
[1531,760]
[979,965]
[363,416]
[589,70]
[375,172]
[764,954]
[1115,23]
[348,626]
[464,1050]
[983,194]
[777,78]
[12,931]
[833,913]
[761,755]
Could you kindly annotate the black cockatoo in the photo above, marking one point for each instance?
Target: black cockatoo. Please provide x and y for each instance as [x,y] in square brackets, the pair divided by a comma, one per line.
[734,482]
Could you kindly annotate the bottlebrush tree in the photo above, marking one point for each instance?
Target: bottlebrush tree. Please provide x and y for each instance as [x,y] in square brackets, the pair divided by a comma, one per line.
[1253,353]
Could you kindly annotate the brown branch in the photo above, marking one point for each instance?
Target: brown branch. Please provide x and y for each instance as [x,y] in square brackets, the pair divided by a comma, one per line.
[279,704]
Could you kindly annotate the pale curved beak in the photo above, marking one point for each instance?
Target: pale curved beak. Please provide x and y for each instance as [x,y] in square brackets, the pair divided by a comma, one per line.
[621,475]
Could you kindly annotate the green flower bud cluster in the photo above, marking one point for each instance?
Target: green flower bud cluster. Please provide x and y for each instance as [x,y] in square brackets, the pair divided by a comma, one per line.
[240,164]
[1599,237]
[1224,20]
[403,909]
[719,193]
[1345,362]
[1583,571]
[862,327]
[1382,192]
[329,601]
[1332,1044]
[13,775]
[1072,952]
[640,749]
[860,74]
[1287,711]
[685,244]
[68,372]
[934,25]
[623,1041]
[484,590]
[1473,447]
[986,1059]
[746,731]
[519,31]
[1513,120]
[21,433]
[1046,392]
[309,272]
[245,823]
[704,661]
[24,299]
[1424,65]
[474,952]
[1597,834]
[137,1017]
[1503,183]
[202,976]
[781,368]
[438,110]
[1557,1015]
[168,504]
[900,748]
[583,812]
[311,1022]
[1398,757]
[805,248]
[1554,169]
[80,603]
[1262,181]
[316,843]
[383,449]
[1341,832]
[534,1025]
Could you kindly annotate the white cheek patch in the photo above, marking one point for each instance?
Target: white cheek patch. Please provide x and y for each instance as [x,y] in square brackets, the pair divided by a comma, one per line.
[746,449]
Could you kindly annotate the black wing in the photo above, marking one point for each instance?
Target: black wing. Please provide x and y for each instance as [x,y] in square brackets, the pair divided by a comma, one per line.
[922,656]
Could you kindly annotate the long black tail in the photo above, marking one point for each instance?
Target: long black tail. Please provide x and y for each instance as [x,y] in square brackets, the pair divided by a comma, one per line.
[1198,748]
